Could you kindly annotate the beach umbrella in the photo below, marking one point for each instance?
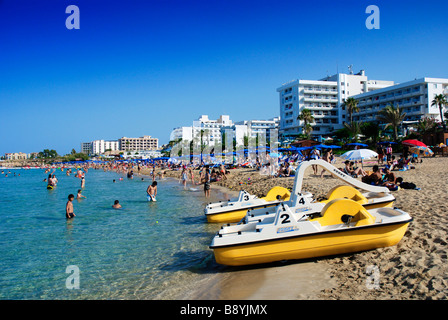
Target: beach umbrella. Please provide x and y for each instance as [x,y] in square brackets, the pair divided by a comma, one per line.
[357,144]
[360,154]
[413,142]
[422,151]
[387,142]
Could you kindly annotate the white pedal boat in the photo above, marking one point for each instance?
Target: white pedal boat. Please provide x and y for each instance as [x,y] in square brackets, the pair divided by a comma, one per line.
[235,210]
[343,226]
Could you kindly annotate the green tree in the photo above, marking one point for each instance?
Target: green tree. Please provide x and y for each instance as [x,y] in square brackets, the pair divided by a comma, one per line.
[307,118]
[426,124]
[353,128]
[392,117]
[440,101]
[371,130]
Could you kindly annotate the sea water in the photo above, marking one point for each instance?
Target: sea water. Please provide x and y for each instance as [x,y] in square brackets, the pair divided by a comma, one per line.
[146,250]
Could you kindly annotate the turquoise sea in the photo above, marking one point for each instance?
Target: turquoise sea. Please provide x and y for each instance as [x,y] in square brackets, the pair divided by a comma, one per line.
[146,250]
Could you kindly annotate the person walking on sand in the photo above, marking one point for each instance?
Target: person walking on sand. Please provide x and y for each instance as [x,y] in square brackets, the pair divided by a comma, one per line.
[315,155]
[192,176]
[327,158]
[151,191]
[69,214]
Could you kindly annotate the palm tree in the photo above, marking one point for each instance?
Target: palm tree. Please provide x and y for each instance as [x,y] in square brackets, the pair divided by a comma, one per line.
[440,100]
[354,128]
[426,124]
[392,117]
[352,106]
[307,117]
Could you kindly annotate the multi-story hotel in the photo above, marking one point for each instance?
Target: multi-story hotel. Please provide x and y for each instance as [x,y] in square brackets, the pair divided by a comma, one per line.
[324,98]
[17,156]
[136,144]
[414,97]
[99,146]
[212,131]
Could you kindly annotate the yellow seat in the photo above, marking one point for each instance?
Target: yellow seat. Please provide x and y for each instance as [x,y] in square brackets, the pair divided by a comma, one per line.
[277,191]
[346,192]
[339,210]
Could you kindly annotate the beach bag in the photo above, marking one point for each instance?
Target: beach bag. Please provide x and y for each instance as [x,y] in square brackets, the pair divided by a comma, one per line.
[408,185]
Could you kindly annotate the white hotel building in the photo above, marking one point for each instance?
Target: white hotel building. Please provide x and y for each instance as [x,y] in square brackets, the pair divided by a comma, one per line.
[414,97]
[212,130]
[325,100]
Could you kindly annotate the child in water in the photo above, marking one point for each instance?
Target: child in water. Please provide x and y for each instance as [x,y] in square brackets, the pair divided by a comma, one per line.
[80,196]
[69,214]
[152,191]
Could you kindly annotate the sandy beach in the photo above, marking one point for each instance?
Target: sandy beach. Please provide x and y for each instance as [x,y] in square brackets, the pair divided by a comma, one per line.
[416,268]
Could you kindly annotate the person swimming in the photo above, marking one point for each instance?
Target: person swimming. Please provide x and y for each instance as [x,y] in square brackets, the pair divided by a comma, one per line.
[116,205]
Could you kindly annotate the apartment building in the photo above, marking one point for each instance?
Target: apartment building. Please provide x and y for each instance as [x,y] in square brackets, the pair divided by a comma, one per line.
[414,97]
[324,98]
[16,156]
[135,144]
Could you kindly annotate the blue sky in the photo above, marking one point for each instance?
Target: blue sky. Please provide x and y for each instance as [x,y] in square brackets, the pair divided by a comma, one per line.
[144,67]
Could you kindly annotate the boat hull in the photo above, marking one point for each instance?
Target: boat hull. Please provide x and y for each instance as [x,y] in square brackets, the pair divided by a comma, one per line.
[310,246]
[227,217]
[234,216]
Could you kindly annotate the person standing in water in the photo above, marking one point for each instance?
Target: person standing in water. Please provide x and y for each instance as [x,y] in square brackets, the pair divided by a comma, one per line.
[207,176]
[80,196]
[152,191]
[83,182]
[69,214]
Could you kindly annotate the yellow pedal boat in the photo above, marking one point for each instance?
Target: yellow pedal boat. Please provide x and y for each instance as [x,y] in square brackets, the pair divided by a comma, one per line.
[343,226]
[234,211]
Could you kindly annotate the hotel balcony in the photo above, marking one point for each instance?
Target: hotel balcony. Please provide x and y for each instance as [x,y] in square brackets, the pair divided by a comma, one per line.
[320,98]
[320,91]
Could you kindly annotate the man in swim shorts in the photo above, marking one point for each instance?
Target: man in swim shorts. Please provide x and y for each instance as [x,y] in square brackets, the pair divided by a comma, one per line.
[69,214]
[152,191]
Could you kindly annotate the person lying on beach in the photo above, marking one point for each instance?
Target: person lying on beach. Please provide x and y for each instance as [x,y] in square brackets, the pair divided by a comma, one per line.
[116,205]
[80,196]
[69,214]
[151,191]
